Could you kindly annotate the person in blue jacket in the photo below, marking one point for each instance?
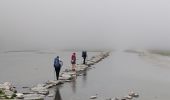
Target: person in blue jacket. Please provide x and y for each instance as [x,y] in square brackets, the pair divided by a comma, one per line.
[57,65]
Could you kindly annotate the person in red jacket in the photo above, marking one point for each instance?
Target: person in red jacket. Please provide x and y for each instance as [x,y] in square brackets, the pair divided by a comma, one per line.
[73,61]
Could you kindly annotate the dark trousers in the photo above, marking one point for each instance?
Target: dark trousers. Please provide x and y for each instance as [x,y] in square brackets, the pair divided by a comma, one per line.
[57,70]
[84,60]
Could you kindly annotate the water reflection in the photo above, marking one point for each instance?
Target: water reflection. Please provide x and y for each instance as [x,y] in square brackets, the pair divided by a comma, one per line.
[84,77]
[57,94]
[74,84]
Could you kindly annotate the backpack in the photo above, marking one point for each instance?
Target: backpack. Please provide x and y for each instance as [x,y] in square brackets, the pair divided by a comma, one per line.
[57,62]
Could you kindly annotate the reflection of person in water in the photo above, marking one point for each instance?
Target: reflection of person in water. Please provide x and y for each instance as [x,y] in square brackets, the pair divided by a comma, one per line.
[84,77]
[74,84]
[57,94]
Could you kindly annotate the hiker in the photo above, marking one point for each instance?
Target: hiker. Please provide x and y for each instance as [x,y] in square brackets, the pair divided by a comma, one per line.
[57,65]
[84,55]
[73,61]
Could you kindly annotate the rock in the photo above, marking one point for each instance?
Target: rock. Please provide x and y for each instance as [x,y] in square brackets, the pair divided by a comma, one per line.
[25,87]
[43,92]
[81,67]
[89,63]
[19,95]
[41,85]
[25,93]
[9,93]
[50,95]
[34,97]
[93,97]
[136,95]
[128,97]
[2,87]
[65,76]
[123,98]
[67,80]
[70,73]
[40,90]
[115,98]
[133,94]
[53,83]
[7,86]
[49,86]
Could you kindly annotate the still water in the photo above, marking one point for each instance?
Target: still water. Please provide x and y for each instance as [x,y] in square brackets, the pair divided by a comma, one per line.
[116,75]
[112,77]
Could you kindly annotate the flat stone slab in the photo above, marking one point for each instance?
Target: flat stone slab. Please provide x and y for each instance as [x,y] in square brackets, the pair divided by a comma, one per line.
[34,97]
[65,76]
[40,89]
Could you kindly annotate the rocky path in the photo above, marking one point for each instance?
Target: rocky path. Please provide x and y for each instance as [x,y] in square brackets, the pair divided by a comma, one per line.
[40,91]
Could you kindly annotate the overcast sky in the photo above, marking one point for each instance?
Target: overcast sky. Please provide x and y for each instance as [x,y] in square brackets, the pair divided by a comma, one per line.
[84,24]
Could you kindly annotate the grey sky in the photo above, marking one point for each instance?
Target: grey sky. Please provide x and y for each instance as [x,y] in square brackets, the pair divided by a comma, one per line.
[54,24]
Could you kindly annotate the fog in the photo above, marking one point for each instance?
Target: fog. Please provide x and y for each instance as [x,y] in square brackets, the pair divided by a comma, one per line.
[84,24]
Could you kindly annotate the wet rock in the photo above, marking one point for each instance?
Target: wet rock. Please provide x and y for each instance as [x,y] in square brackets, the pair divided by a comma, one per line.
[123,98]
[7,86]
[93,97]
[67,80]
[136,95]
[19,95]
[40,89]
[65,76]
[69,72]
[115,98]
[133,94]
[90,63]
[81,67]
[34,97]
[9,93]
[128,97]
[25,87]
[50,84]
[50,95]
[54,82]
[29,92]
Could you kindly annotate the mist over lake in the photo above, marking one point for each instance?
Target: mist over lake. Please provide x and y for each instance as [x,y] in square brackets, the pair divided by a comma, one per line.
[90,24]
[34,32]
